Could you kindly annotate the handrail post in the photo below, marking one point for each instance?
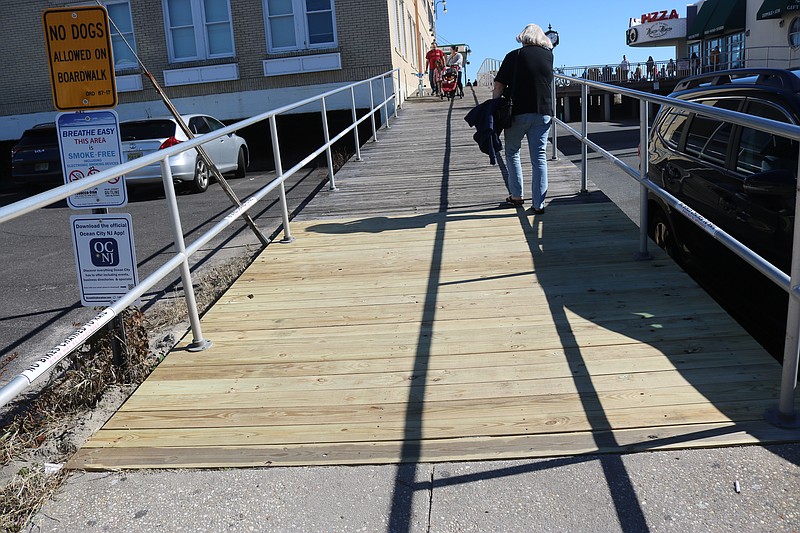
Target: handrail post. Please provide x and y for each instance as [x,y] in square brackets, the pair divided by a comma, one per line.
[276,153]
[372,113]
[785,415]
[585,134]
[198,342]
[644,165]
[553,131]
[355,120]
[398,97]
[385,103]
[327,136]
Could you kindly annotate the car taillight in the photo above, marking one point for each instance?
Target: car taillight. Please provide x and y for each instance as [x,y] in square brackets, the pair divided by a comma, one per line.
[172,141]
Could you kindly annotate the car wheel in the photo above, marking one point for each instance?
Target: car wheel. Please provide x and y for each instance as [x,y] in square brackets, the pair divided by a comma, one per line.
[660,230]
[202,176]
[241,165]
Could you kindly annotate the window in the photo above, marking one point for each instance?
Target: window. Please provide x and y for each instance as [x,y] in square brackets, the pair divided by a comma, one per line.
[299,24]
[760,151]
[735,47]
[794,33]
[120,14]
[708,138]
[198,29]
[671,128]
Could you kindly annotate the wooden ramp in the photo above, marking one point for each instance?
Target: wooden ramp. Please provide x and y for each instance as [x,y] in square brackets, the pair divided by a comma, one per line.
[463,331]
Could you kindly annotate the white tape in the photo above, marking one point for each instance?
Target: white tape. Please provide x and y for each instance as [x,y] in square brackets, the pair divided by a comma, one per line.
[78,337]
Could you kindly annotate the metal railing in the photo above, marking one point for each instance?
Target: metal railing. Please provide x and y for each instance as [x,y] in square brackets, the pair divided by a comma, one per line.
[784,415]
[389,91]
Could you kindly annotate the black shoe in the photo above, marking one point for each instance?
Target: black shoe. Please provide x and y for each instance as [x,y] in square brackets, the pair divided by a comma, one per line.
[538,211]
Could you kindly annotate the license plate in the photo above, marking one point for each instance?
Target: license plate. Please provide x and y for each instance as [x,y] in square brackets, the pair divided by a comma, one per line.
[134,155]
[41,167]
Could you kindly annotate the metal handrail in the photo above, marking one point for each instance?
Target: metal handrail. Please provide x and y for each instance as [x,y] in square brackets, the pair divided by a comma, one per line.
[784,415]
[182,253]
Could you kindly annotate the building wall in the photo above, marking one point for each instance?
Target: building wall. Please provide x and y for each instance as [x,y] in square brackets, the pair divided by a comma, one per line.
[767,41]
[364,43]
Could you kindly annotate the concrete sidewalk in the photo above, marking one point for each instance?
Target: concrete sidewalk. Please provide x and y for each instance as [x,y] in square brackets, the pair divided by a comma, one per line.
[675,491]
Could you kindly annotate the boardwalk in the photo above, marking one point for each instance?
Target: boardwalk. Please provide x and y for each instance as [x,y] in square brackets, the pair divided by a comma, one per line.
[416,319]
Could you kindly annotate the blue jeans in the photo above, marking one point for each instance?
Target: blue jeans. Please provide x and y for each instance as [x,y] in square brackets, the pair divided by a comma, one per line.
[535,127]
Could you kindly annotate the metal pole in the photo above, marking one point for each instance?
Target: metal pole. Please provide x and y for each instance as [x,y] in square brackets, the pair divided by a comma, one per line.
[355,119]
[372,113]
[327,135]
[398,96]
[585,134]
[785,415]
[198,342]
[644,164]
[385,103]
[276,152]
[553,131]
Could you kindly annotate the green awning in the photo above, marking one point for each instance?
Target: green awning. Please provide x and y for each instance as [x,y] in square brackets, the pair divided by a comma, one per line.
[729,16]
[695,30]
[717,17]
[775,9]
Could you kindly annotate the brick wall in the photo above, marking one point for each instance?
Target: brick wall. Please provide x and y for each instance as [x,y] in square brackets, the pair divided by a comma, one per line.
[363,33]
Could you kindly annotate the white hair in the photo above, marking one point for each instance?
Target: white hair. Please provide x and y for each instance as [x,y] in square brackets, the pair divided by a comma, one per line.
[533,35]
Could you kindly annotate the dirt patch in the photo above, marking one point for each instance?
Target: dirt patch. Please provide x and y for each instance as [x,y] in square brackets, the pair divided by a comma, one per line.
[42,430]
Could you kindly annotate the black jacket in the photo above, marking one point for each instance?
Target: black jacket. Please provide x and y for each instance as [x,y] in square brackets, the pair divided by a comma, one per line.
[487,136]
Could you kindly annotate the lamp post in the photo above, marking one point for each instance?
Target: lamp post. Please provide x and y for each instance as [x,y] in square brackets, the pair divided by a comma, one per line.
[436,4]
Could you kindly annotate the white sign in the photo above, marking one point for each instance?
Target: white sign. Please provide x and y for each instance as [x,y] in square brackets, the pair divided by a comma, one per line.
[90,143]
[104,256]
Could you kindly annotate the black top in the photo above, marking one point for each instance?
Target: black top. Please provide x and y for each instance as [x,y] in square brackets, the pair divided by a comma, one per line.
[534,79]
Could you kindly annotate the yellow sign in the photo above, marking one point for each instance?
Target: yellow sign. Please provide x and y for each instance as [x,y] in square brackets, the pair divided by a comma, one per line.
[80,59]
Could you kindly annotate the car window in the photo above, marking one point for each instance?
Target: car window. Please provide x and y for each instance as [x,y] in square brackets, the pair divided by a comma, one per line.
[137,130]
[708,138]
[39,136]
[214,124]
[199,126]
[671,126]
[760,151]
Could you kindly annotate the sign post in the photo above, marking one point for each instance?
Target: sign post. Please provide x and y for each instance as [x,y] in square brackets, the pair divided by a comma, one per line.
[80,58]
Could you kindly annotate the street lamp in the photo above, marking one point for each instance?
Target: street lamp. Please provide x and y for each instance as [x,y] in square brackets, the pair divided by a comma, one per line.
[444,7]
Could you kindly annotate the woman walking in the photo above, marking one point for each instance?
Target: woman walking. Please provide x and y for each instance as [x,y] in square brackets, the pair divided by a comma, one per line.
[526,76]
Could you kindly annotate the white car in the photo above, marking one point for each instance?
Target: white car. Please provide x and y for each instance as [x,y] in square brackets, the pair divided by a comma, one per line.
[141,137]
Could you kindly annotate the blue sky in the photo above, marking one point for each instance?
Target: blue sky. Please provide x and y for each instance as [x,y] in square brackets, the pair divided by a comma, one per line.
[590,32]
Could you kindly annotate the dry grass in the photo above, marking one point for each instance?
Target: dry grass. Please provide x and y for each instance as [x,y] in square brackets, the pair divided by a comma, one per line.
[41,429]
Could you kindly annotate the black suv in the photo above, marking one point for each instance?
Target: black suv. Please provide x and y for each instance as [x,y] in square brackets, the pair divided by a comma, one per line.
[36,159]
[741,179]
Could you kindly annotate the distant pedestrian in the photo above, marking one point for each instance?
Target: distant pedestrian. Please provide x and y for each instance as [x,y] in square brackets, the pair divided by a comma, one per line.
[624,68]
[637,74]
[526,75]
[430,58]
[671,68]
[457,60]
[713,58]
[651,68]
[695,61]
[438,72]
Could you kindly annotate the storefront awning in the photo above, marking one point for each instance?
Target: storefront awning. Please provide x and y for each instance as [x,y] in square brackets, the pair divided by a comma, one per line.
[717,17]
[775,9]
[727,17]
[695,30]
